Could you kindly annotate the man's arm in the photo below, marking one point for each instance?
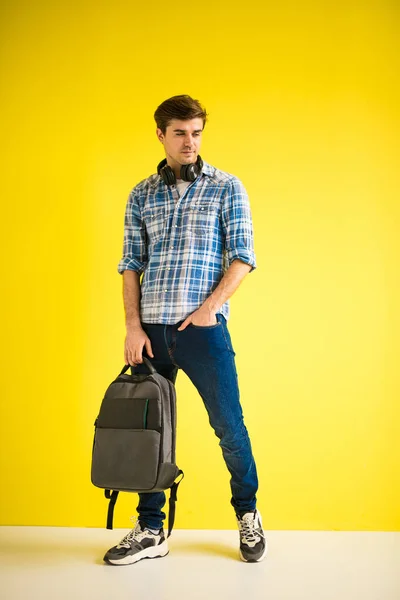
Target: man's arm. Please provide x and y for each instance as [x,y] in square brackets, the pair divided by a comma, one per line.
[132,264]
[230,282]
[237,226]
[131,295]
[205,315]
[136,338]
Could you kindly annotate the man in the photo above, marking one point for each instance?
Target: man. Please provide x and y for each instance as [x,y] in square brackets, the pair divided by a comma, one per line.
[188,230]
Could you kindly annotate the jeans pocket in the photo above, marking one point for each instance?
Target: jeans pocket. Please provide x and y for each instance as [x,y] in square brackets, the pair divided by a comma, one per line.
[217,324]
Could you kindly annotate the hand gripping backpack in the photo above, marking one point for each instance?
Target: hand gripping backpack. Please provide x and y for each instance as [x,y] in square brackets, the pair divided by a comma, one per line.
[134,439]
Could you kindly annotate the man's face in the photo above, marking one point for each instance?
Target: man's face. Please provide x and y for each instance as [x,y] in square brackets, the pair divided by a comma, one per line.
[181,141]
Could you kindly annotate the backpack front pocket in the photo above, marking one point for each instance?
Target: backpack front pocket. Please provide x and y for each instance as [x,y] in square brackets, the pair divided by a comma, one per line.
[130,413]
[125,459]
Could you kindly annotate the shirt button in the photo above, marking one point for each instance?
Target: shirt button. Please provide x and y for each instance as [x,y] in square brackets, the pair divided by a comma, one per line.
[202,208]
[165,290]
[172,247]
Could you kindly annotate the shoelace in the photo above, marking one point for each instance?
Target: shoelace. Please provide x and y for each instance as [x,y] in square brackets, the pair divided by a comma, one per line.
[248,529]
[134,533]
[137,533]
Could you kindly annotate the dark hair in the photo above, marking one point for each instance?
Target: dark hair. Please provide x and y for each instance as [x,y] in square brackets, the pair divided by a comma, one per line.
[182,108]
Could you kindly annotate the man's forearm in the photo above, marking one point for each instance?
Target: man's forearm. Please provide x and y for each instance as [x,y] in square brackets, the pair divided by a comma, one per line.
[228,285]
[131,294]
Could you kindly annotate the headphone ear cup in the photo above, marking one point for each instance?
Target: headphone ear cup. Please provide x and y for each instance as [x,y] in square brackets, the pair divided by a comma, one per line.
[166,173]
[192,171]
[189,172]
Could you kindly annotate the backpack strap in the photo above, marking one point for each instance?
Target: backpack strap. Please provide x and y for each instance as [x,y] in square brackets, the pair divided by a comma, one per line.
[172,499]
[112,496]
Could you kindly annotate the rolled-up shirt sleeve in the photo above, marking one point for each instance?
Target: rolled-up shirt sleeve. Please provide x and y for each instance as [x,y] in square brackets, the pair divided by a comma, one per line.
[237,224]
[134,253]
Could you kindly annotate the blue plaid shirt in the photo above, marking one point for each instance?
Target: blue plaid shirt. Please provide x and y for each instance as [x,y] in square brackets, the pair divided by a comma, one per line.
[183,245]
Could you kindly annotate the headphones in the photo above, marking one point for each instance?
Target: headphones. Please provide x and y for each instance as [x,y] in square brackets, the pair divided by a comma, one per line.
[189,172]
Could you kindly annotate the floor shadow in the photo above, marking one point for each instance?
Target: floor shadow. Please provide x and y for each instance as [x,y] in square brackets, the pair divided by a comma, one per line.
[22,548]
[49,552]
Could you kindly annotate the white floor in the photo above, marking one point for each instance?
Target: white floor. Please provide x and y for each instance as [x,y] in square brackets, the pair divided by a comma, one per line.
[41,563]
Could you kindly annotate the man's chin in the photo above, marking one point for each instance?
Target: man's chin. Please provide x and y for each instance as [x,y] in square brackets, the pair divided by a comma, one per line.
[189,158]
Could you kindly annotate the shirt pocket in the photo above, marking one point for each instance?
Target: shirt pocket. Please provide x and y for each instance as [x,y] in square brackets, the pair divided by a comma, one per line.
[203,218]
[154,219]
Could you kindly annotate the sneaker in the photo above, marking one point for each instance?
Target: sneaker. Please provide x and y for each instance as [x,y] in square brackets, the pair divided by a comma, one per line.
[137,544]
[253,545]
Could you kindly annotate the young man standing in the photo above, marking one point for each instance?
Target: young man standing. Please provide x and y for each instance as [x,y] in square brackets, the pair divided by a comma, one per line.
[188,229]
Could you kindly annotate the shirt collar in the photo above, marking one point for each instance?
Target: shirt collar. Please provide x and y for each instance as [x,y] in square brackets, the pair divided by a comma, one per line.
[208,169]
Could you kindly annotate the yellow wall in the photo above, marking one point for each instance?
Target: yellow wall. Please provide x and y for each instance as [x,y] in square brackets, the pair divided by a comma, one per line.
[303,101]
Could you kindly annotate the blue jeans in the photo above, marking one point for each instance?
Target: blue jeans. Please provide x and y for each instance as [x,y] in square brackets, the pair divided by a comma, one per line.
[206,355]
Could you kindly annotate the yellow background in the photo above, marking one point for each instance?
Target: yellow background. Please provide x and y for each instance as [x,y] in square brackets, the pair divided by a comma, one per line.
[303,101]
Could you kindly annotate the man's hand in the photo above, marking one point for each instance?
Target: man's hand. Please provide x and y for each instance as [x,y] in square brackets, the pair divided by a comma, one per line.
[203,317]
[135,339]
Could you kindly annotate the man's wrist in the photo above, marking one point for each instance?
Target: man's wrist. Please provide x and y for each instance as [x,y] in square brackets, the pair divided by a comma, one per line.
[211,305]
[133,324]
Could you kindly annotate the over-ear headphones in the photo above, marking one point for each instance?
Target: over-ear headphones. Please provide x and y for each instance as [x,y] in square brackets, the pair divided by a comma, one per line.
[189,172]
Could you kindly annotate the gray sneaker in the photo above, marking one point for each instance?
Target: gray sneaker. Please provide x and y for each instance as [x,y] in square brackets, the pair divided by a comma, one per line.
[137,544]
[253,545]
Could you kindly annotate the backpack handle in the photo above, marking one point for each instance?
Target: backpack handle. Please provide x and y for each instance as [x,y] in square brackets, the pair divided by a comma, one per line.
[146,362]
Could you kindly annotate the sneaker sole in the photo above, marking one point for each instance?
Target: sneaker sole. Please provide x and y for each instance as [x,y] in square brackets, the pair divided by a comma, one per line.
[153,552]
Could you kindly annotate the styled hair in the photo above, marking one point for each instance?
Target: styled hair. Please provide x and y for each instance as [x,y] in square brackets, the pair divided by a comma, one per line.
[182,108]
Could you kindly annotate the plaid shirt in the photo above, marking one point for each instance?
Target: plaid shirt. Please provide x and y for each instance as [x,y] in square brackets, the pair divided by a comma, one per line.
[183,245]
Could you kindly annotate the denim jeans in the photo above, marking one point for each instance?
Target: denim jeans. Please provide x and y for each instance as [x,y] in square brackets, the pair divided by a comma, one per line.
[206,355]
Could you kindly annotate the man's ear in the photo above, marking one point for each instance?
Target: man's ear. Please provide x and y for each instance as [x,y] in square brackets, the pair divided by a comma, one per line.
[160,135]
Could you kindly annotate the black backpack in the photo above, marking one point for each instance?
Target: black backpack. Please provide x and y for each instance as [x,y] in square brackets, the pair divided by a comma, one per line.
[135,438]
